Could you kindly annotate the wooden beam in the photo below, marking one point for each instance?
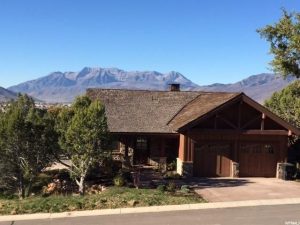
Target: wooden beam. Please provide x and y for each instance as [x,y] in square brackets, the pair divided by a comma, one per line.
[266,132]
[250,122]
[227,122]
[262,123]
[240,114]
[239,132]
[215,121]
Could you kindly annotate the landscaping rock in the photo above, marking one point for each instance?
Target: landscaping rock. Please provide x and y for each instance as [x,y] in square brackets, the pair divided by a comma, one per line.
[57,186]
[132,203]
[72,208]
[96,189]
[13,212]
[103,200]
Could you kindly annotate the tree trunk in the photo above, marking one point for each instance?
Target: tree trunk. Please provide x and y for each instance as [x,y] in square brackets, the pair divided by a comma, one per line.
[28,189]
[81,185]
[21,188]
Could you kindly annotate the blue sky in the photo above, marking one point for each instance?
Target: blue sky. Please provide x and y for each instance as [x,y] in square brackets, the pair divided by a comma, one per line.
[207,41]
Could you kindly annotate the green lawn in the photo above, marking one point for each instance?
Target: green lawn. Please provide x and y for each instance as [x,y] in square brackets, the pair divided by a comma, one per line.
[114,197]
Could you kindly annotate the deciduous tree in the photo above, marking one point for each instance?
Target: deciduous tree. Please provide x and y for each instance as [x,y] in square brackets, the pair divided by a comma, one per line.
[83,137]
[286,103]
[284,39]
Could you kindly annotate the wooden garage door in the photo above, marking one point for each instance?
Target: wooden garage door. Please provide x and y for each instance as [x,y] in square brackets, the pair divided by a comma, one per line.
[212,160]
[258,159]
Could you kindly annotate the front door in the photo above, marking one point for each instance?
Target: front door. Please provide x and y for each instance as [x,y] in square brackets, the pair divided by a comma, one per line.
[141,151]
[212,160]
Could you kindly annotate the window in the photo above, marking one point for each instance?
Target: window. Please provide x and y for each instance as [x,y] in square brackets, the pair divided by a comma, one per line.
[269,149]
[115,145]
[141,143]
[257,148]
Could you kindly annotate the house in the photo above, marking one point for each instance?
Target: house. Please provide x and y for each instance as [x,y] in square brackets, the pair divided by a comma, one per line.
[209,134]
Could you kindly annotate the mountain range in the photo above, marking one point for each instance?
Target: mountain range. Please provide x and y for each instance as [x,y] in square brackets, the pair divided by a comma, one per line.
[65,86]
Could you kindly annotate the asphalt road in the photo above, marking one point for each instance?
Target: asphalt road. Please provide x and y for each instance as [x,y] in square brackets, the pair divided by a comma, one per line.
[259,215]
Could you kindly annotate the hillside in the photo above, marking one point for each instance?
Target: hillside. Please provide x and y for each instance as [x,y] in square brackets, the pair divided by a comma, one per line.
[6,95]
[259,87]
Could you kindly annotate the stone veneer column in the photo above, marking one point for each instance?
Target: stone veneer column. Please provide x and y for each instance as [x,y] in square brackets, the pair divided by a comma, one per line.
[235,171]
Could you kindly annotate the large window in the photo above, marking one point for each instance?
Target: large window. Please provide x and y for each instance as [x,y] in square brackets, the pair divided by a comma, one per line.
[141,143]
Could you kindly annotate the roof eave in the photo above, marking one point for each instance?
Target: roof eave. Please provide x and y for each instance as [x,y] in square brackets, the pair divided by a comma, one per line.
[252,103]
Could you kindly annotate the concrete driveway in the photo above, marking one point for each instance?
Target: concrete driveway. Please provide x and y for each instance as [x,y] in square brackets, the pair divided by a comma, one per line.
[240,189]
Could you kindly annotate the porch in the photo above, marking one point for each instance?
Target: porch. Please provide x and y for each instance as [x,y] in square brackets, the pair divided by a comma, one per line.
[154,150]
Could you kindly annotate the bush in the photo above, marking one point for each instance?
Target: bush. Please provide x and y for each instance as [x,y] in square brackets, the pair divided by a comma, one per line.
[185,189]
[40,181]
[7,195]
[119,181]
[116,167]
[126,175]
[161,188]
[172,166]
[171,187]
[172,175]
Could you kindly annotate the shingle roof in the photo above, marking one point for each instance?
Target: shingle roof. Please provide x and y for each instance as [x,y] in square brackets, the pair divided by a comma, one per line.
[139,111]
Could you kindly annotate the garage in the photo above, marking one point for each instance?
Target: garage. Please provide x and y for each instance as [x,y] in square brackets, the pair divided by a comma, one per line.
[212,160]
[255,159]
[258,159]
[239,138]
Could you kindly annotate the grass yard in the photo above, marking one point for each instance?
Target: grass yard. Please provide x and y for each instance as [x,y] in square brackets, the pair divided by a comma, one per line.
[114,197]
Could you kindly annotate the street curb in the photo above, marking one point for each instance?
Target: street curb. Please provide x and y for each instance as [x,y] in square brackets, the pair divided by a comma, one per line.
[151,209]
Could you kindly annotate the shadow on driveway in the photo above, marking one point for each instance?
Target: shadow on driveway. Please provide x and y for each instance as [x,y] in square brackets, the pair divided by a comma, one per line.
[217,182]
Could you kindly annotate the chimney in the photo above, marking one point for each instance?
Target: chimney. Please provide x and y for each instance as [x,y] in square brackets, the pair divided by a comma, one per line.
[174,87]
